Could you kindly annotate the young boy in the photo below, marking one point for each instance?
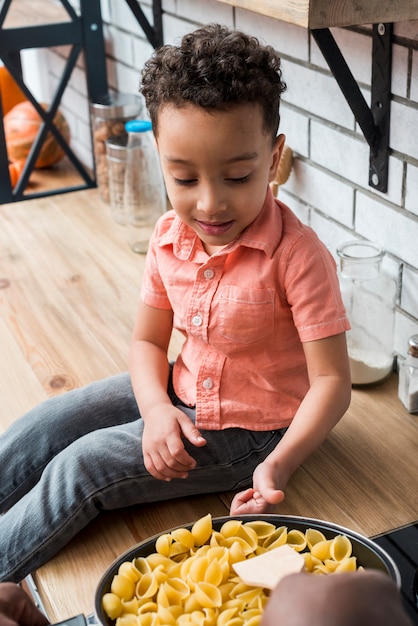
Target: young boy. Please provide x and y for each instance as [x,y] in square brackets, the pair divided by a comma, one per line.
[263,375]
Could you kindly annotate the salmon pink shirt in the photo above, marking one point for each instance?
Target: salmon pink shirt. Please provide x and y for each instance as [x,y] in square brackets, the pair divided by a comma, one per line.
[245,312]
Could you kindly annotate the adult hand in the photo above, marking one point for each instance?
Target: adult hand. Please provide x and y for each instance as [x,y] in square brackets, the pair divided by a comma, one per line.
[17,609]
[262,497]
[165,456]
[347,599]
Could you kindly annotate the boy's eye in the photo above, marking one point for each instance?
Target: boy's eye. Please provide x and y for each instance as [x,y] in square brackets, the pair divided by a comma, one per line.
[239,181]
[184,181]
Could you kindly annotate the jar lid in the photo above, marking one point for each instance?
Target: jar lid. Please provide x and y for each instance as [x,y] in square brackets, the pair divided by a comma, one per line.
[413,345]
[118,105]
[138,126]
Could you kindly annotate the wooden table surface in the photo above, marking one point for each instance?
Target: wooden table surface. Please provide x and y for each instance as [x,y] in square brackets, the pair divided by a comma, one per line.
[69,289]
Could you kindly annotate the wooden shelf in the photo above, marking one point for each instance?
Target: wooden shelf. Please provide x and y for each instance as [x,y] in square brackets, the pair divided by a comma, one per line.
[326,13]
[23,13]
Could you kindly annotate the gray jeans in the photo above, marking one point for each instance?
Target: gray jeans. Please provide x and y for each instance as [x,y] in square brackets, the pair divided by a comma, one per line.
[79,453]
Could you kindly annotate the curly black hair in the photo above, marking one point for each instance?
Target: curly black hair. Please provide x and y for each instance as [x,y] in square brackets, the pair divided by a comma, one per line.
[215,68]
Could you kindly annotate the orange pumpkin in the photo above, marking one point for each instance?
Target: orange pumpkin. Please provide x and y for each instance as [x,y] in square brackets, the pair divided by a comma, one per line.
[15,170]
[21,126]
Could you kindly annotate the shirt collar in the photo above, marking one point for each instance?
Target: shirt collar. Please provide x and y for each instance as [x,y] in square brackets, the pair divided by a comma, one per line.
[264,233]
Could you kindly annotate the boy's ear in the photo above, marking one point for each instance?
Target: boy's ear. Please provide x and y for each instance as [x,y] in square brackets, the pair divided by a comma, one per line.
[276,155]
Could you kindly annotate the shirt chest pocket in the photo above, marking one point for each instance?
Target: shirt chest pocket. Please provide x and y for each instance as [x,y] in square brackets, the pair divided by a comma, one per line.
[246,315]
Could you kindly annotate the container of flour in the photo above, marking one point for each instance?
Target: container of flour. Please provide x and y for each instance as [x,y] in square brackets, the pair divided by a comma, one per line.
[369,295]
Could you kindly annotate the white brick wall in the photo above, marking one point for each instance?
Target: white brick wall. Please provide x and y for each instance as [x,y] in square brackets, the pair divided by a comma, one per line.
[328,187]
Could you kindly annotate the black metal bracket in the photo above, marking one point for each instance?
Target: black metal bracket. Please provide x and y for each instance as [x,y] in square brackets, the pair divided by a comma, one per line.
[82,33]
[374,121]
[154,33]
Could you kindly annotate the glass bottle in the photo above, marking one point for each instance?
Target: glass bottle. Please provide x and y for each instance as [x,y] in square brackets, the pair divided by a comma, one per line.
[145,195]
[408,377]
[369,296]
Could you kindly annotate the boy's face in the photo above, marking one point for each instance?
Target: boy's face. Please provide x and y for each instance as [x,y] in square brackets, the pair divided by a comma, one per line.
[216,166]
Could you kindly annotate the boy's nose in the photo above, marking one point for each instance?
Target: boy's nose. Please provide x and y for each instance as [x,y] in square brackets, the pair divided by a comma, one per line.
[211,201]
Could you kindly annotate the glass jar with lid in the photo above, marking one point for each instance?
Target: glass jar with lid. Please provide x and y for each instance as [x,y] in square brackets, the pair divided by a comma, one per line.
[369,296]
[109,115]
[408,377]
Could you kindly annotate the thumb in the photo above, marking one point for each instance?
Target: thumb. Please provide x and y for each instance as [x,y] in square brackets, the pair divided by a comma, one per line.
[192,433]
[273,496]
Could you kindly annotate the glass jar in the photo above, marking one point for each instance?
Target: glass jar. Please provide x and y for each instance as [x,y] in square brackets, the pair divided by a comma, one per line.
[145,197]
[369,296]
[408,377]
[109,115]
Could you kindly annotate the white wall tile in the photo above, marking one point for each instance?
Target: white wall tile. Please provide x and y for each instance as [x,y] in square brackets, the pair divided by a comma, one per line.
[287,39]
[205,11]
[409,298]
[300,209]
[322,191]
[414,76]
[408,29]
[296,128]
[405,327]
[411,200]
[403,120]
[400,71]
[174,28]
[316,93]
[388,226]
[344,154]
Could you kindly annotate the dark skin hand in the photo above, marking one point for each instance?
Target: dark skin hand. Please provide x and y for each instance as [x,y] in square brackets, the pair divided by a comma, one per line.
[364,598]
[17,609]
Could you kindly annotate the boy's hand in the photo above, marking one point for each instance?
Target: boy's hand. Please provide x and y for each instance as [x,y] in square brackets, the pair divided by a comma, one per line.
[17,609]
[262,497]
[165,456]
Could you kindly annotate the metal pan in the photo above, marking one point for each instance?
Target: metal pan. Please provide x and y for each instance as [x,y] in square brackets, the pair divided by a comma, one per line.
[368,553]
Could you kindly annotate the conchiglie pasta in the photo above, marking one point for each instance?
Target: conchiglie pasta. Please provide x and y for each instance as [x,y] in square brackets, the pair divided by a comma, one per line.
[189,579]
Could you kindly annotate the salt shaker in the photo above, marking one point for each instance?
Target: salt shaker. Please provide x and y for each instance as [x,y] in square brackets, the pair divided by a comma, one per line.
[408,377]
[145,195]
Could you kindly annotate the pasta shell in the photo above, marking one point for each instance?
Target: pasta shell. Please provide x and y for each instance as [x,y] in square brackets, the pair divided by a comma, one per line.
[278,538]
[208,595]
[231,528]
[347,565]
[129,570]
[341,548]
[321,550]
[163,543]
[296,539]
[202,529]
[314,536]
[128,619]
[112,605]
[262,529]
[122,587]
[184,536]
[147,586]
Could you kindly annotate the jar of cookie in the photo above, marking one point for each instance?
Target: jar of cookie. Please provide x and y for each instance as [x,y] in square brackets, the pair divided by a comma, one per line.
[109,115]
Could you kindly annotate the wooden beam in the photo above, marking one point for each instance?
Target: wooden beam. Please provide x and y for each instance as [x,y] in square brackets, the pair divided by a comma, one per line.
[328,13]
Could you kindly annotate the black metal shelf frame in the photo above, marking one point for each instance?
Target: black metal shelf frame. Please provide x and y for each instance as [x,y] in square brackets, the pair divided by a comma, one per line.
[84,33]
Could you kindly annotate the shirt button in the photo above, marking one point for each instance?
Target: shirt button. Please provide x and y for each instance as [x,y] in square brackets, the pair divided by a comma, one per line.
[208,383]
[197,320]
[208,274]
